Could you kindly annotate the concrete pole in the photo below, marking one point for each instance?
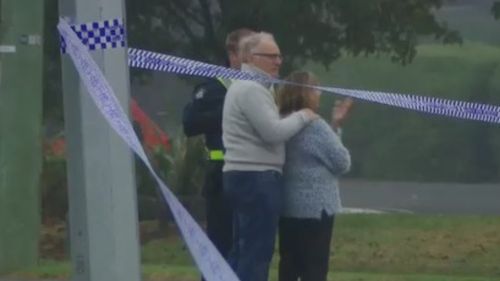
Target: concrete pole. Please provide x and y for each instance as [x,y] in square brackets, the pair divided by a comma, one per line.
[102,193]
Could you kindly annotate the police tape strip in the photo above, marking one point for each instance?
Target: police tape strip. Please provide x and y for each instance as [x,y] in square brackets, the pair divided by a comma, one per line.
[451,108]
[207,258]
[111,34]
[106,34]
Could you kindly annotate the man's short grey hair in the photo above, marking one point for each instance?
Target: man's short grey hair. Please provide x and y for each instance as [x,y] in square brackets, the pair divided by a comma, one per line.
[249,43]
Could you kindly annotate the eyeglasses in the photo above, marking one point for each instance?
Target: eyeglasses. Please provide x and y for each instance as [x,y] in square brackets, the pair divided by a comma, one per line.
[269,56]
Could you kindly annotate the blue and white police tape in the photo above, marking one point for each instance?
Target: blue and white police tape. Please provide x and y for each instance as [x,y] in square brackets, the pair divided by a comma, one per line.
[458,109]
[439,106]
[100,31]
[208,259]
[99,35]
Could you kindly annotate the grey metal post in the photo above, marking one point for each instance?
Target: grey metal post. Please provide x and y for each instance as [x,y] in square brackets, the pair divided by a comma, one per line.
[102,194]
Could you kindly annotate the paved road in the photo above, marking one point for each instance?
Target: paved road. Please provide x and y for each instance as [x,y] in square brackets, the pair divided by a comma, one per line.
[422,198]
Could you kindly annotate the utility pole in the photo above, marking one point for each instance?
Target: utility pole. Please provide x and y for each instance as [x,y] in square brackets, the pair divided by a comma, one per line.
[102,194]
[21,27]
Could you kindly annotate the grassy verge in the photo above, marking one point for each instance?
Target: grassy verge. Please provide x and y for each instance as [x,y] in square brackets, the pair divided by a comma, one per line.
[392,243]
[179,273]
[365,248]
[423,244]
[152,272]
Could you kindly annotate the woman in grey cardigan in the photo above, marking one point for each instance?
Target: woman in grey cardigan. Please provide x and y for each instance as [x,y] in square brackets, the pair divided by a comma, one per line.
[315,158]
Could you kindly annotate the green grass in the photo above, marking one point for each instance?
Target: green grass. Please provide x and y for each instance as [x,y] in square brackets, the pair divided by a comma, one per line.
[365,248]
[423,244]
[180,273]
[391,243]
[152,272]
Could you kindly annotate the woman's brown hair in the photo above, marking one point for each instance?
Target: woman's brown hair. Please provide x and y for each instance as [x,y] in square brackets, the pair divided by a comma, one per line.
[292,97]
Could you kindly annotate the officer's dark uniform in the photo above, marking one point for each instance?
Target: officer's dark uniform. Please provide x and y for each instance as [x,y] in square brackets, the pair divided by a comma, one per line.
[204,116]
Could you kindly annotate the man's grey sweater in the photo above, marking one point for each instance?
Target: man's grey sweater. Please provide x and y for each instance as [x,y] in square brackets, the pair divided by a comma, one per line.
[315,158]
[253,132]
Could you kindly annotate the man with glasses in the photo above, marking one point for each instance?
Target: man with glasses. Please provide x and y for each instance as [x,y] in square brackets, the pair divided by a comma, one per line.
[254,137]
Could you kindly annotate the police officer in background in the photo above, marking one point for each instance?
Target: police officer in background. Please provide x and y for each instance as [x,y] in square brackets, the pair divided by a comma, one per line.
[203,116]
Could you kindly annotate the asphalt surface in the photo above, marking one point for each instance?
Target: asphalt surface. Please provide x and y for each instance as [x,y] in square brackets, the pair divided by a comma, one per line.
[421,198]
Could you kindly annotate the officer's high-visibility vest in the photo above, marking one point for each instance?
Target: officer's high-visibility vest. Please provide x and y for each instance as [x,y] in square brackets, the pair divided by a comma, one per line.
[217,154]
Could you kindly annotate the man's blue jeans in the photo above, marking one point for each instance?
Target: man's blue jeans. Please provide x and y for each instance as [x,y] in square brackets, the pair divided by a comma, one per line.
[256,200]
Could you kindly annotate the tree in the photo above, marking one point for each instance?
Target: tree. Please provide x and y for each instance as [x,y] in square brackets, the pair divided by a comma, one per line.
[495,10]
[317,30]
